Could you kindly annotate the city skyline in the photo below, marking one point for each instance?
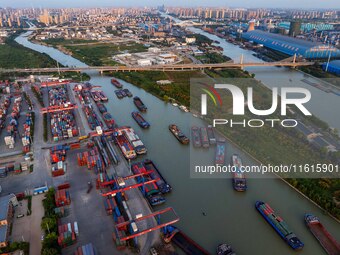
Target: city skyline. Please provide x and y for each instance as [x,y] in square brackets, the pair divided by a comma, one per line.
[133,3]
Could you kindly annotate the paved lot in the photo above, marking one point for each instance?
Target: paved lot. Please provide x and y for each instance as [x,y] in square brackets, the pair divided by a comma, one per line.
[21,227]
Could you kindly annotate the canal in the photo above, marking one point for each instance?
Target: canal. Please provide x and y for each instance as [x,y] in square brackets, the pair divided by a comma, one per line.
[230,217]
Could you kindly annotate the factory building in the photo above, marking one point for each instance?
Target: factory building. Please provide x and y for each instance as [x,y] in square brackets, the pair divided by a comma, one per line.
[333,67]
[291,46]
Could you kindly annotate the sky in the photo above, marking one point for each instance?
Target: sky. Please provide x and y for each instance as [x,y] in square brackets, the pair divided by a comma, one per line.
[303,4]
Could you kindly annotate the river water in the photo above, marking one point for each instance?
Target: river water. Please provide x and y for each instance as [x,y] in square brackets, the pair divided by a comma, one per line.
[230,216]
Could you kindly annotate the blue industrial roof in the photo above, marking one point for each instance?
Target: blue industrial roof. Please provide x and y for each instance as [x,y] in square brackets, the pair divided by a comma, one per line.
[291,45]
[333,67]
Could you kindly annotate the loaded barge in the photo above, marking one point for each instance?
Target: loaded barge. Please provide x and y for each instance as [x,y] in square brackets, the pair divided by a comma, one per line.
[211,135]
[178,134]
[139,104]
[140,120]
[184,242]
[196,137]
[124,145]
[163,186]
[204,137]
[134,140]
[279,225]
[116,83]
[327,241]
[150,190]
[225,249]
[220,152]
[239,178]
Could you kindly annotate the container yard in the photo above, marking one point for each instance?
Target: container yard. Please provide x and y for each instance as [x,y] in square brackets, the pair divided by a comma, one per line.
[62,121]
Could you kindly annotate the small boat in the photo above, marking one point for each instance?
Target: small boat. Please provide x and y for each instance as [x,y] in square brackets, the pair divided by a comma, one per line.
[220,152]
[119,94]
[116,83]
[139,104]
[183,108]
[178,134]
[140,120]
[279,225]
[211,135]
[196,137]
[327,241]
[204,137]
[127,92]
[175,104]
[225,249]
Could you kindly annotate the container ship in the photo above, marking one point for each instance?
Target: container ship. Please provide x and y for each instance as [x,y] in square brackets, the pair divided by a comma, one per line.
[187,245]
[116,83]
[140,105]
[127,92]
[110,122]
[239,178]
[279,225]
[124,145]
[178,134]
[204,137]
[150,190]
[140,120]
[225,249]
[327,241]
[134,140]
[119,94]
[196,137]
[220,152]
[163,186]
[211,135]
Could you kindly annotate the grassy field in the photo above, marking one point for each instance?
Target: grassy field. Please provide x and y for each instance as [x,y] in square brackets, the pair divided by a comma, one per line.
[14,55]
[98,54]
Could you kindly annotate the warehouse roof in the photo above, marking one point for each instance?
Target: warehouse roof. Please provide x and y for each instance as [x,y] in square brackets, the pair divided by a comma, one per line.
[3,233]
[4,204]
[335,63]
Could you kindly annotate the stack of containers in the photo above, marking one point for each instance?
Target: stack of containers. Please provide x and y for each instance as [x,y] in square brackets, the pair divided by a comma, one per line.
[13,123]
[3,111]
[67,235]
[62,197]
[58,169]
[3,172]
[63,124]
[87,249]
[92,117]
[17,168]
[26,140]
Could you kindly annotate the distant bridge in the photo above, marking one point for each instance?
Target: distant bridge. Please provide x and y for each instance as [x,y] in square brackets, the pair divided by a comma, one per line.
[169,67]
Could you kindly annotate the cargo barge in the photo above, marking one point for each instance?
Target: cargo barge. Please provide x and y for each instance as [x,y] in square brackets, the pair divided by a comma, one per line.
[134,140]
[204,138]
[279,225]
[239,178]
[224,249]
[150,190]
[139,104]
[119,94]
[178,134]
[124,145]
[220,152]
[109,121]
[116,83]
[102,96]
[196,137]
[163,186]
[101,107]
[327,241]
[187,245]
[211,135]
[95,96]
[127,92]
[140,120]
